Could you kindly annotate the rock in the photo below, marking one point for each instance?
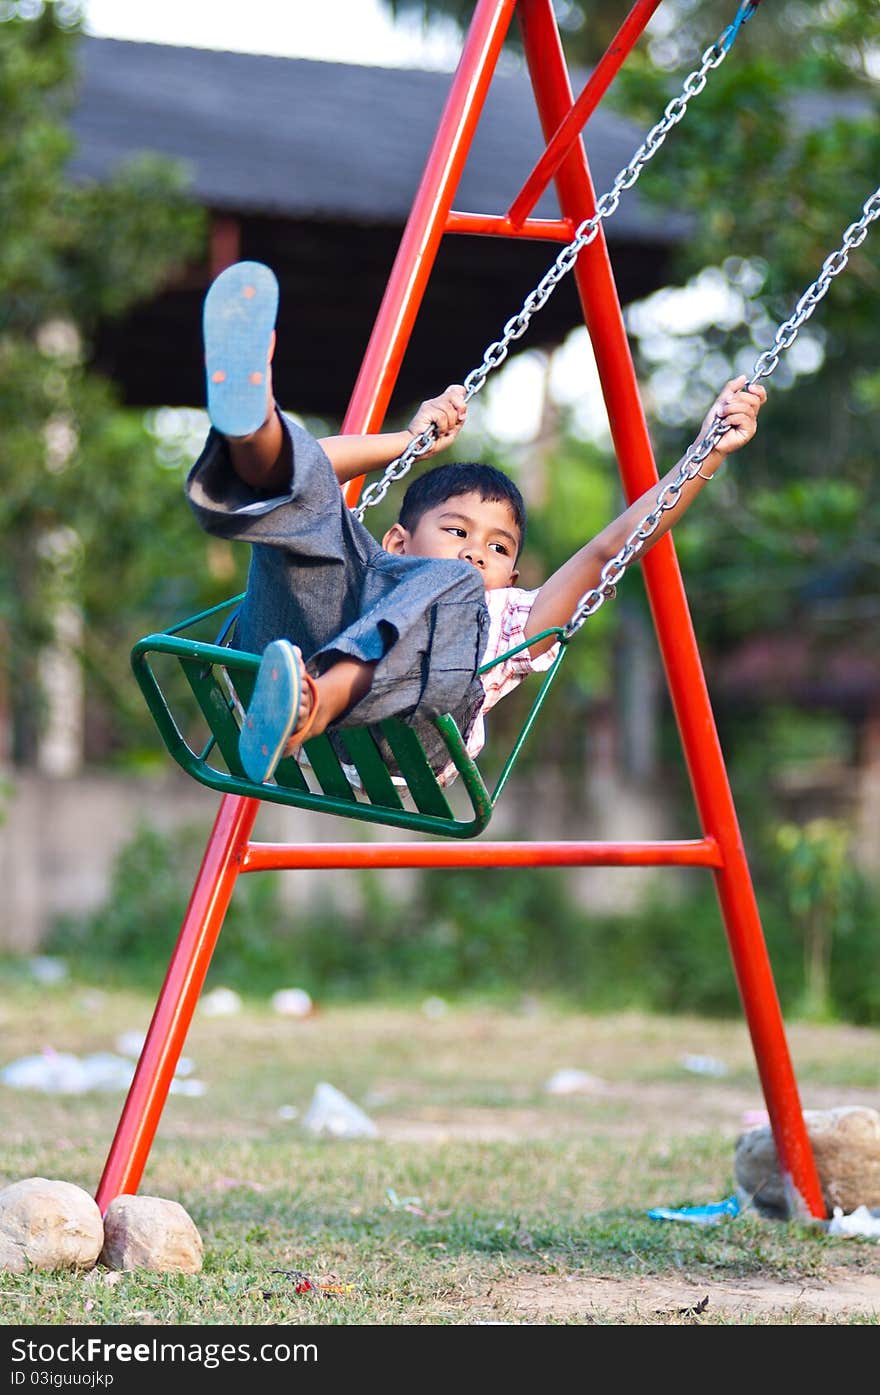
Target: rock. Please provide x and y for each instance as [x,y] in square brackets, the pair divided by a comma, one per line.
[148,1232]
[46,1224]
[846,1146]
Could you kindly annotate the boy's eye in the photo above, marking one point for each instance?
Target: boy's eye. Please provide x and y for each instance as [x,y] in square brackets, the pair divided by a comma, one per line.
[457,532]
[500,547]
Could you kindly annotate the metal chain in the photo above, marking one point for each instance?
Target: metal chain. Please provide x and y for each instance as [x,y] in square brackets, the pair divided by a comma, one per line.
[586,232]
[669,495]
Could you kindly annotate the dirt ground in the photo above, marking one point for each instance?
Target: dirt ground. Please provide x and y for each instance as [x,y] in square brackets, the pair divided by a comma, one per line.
[658,1107]
[671,1109]
[537,1298]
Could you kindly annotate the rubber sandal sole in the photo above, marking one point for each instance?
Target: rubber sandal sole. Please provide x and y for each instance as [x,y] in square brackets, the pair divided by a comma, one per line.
[238,318]
[272,712]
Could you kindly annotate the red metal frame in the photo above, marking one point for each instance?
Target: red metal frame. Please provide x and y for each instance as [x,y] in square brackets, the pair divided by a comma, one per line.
[720,848]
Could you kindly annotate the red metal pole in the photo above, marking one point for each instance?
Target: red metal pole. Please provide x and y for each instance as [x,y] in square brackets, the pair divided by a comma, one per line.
[177,1000]
[676,638]
[695,852]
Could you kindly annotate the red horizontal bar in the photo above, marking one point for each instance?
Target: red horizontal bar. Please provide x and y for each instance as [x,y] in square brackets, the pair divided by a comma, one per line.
[570,127]
[497,225]
[694,852]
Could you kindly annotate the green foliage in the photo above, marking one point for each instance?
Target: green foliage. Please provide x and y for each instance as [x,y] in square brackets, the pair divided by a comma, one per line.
[821,887]
[774,161]
[87,512]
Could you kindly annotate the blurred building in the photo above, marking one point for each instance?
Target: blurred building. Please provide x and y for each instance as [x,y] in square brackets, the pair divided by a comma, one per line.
[312,167]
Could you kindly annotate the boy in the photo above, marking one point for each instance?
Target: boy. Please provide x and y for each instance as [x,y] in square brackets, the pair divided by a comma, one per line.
[398,630]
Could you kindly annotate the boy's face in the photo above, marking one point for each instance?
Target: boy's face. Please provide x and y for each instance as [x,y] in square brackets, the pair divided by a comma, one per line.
[475,530]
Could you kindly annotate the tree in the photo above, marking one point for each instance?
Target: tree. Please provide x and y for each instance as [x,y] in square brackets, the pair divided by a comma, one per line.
[774,167]
[82,489]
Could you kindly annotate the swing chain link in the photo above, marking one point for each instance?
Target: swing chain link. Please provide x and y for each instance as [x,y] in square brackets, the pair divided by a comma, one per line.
[669,495]
[667,498]
[586,232]
[833,265]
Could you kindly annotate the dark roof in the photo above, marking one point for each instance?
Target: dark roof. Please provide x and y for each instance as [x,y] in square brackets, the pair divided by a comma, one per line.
[320,163]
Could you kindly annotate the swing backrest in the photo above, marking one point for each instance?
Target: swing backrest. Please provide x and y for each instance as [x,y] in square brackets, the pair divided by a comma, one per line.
[361,786]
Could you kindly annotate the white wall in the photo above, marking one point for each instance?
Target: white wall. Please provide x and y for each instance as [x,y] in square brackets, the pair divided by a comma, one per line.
[60,838]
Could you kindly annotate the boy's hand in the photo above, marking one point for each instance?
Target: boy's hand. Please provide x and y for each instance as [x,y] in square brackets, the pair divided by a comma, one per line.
[739,409]
[447,412]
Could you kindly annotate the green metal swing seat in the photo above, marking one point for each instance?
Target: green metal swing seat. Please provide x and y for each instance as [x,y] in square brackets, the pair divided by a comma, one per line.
[221,679]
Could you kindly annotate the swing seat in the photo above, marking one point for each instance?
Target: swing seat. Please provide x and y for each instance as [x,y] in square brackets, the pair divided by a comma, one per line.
[221,679]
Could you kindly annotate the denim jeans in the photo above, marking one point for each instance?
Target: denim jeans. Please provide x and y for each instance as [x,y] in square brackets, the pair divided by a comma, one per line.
[318,578]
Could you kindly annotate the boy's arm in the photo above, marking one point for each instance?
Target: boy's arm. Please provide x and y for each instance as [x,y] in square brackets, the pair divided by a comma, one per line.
[556,601]
[353,456]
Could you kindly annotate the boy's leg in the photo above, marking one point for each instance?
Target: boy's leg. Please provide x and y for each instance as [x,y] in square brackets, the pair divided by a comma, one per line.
[288,705]
[271,485]
[238,327]
[388,636]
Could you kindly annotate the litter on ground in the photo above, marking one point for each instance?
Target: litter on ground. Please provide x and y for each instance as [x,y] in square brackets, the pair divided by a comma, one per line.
[46,968]
[220,1002]
[62,1073]
[710,1214]
[704,1065]
[573,1082]
[862,1221]
[331,1114]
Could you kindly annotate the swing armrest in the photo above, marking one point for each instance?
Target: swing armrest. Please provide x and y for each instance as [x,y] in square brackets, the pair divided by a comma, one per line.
[559,634]
[201,652]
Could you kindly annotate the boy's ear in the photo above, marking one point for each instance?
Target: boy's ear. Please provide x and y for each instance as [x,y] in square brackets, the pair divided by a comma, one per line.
[514,577]
[396,539]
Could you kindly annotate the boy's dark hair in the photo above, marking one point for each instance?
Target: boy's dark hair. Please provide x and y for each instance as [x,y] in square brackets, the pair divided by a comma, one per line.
[461,477]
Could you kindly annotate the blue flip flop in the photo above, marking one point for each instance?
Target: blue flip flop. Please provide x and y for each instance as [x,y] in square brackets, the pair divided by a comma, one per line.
[238,318]
[273,711]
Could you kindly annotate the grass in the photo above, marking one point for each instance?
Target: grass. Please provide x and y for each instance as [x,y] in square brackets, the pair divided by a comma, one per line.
[480,1186]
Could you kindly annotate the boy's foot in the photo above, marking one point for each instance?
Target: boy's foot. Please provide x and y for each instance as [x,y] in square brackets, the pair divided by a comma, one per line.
[238,322]
[281,713]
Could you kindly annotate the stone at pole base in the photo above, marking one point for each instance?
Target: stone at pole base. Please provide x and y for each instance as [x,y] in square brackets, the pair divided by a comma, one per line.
[846,1147]
[48,1224]
[148,1232]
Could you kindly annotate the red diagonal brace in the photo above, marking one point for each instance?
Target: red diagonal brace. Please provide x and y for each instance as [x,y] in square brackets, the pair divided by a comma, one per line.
[571,125]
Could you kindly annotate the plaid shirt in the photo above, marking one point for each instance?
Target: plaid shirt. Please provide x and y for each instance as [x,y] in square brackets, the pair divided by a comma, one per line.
[509,610]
